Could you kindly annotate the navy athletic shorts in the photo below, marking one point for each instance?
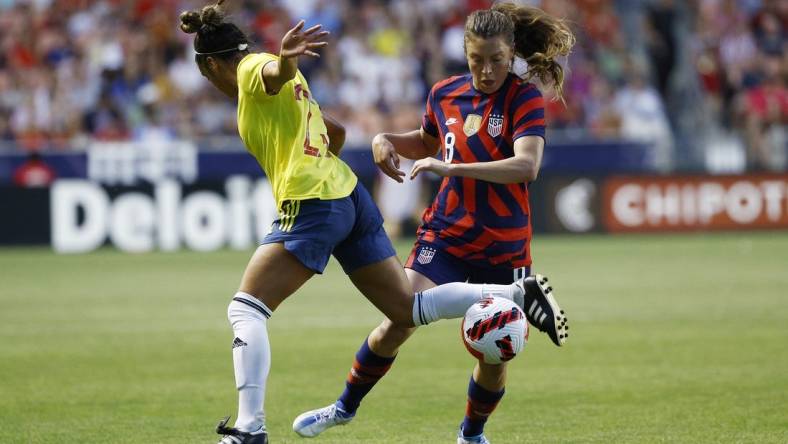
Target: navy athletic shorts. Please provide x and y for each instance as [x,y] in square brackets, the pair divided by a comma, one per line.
[350,228]
[441,267]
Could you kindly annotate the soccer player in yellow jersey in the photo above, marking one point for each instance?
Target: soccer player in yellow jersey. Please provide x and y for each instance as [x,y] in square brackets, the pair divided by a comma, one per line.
[323,210]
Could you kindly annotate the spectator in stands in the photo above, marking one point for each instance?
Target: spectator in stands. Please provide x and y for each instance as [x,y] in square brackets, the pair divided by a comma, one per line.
[770,35]
[604,118]
[34,172]
[662,42]
[72,71]
[105,121]
[764,111]
[643,117]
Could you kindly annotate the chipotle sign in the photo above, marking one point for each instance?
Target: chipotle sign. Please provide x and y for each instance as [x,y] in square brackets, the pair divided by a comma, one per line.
[684,203]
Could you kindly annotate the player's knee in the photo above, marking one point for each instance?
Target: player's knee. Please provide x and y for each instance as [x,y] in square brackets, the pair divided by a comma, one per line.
[401,320]
[387,338]
[393,335]
[492,376]
[244,306]
[401,313]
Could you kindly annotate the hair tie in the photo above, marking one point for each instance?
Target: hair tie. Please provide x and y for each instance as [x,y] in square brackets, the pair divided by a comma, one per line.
[240,47]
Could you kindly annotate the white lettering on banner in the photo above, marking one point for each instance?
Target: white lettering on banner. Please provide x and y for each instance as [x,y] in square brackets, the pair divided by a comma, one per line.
[204,226]
[703,203]
[774,193]
[573,205]
[131,223]
[744,202]
[711,201]
[168,196]
[662,204]
[67,197]
[689,205]
[628,205]
[126,163]
[240,221]
[137,222]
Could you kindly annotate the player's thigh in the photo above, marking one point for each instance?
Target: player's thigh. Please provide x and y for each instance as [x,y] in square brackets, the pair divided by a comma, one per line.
[273,274]
[418,281]
[386,286]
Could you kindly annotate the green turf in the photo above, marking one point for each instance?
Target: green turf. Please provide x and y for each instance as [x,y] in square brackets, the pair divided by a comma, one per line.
[674,339]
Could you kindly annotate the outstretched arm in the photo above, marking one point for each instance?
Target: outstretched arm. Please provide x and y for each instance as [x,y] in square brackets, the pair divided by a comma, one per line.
[295,43]
[522,167]
[387,148]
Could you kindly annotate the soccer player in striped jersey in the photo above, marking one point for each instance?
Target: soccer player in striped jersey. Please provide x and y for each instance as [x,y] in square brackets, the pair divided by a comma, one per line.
[489,127]
[323,211]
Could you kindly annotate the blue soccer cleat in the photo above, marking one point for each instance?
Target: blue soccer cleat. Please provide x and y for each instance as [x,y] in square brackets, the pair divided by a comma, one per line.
[235,436]
[314,422]
[542,310]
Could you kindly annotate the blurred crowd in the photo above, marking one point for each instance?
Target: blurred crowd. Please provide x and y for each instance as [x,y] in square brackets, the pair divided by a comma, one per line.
[75,71]
[739,53]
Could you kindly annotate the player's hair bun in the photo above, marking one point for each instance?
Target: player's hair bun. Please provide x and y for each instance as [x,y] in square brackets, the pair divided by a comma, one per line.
[190,22]
[205,21]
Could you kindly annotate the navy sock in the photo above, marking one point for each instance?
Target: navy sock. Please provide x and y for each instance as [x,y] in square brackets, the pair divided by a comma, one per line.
[481,403]
[367,369]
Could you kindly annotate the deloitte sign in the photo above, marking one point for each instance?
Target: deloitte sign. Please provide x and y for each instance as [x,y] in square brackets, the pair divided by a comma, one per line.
[85,215]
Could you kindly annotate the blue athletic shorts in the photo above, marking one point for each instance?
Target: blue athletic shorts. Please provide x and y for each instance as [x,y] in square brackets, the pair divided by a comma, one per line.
[350,228]
[441,268]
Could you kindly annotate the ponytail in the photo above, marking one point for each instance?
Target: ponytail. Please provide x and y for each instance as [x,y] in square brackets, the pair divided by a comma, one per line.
[540,39]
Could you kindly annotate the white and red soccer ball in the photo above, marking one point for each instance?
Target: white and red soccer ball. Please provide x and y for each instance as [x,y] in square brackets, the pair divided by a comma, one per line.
[494,330]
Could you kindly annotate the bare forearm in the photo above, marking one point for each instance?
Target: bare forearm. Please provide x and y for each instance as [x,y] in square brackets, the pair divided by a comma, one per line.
[284,71]
[511,170]
[409,145]
[336,134]
[336,140]
[288,66]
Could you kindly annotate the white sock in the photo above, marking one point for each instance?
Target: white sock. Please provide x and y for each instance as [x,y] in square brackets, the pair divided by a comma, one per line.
[251,358]
[452,300]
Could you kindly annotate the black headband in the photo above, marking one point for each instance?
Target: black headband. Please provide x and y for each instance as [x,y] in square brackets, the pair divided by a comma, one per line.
[240,47]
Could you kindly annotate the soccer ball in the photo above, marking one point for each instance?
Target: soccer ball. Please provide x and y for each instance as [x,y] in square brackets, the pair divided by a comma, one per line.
[494,330]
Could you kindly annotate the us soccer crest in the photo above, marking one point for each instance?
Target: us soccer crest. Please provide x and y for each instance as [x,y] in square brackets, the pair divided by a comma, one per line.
[425,256]
[494,125]
[472,124]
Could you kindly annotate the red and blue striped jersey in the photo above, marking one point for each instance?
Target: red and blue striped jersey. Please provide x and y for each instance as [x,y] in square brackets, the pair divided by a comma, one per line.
[484,223]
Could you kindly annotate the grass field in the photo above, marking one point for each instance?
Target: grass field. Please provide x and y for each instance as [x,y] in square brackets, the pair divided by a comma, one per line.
[674,339]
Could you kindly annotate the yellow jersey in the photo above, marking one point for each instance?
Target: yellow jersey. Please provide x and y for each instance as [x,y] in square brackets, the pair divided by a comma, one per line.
[286,133]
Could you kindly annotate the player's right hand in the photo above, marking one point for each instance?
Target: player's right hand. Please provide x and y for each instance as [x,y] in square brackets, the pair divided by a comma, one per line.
[298,42]
[386,158]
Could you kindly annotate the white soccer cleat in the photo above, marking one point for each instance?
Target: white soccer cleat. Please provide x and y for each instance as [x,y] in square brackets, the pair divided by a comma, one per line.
[314,422]
[478,439]
[542,310]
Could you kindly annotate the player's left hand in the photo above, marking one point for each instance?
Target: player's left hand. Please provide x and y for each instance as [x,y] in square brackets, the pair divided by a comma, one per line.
[438,167]
[297,42]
